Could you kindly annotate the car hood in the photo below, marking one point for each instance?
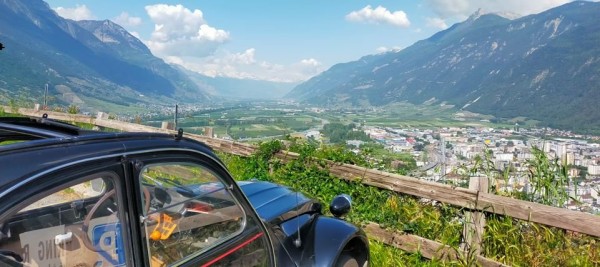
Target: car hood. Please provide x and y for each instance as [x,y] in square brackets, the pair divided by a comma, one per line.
[276,203]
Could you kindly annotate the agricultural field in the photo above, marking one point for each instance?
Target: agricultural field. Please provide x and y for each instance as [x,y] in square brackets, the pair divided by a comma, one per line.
[245,122]
[405,115]
[272,120]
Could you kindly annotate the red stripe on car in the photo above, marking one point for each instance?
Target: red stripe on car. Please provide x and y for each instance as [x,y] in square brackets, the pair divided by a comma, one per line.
[236,248]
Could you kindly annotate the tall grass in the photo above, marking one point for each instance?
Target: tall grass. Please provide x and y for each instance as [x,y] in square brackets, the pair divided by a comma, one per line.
[507,240]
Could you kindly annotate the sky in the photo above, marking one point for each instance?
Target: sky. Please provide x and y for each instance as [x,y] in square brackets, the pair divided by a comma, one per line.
[282,40]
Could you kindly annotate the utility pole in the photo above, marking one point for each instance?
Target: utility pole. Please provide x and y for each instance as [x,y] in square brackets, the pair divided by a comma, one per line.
[443,169]
[175,122]
[45,96]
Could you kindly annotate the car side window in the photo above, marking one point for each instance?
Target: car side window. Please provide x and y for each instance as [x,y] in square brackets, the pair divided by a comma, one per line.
[187,211]
[76,225]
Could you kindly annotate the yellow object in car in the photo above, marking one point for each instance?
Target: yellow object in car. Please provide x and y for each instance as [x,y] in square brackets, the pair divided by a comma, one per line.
[164,228]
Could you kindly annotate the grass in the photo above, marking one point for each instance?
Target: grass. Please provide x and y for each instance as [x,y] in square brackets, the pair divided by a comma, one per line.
[506,240]
[384,255]
[530,244]
[402,213]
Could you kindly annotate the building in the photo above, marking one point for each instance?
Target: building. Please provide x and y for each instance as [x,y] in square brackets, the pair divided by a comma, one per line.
[504,156]
[594,170]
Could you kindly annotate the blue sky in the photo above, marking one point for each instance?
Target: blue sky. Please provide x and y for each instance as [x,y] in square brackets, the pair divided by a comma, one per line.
[282,40]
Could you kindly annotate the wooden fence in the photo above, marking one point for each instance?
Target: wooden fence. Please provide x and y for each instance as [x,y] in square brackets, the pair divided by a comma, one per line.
[470,199]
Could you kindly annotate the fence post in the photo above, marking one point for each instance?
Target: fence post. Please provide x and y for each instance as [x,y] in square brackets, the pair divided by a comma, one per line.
[474,221]
[167,125]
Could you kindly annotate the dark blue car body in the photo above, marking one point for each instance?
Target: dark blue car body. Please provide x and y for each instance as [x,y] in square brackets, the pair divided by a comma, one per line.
[293,229]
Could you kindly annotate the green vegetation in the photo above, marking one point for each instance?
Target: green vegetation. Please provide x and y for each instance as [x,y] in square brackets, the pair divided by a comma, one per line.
[406,115]
[339,133]
[244,122]
[511,241]
[370,204]
[522,243]
[73,109]
[549,179]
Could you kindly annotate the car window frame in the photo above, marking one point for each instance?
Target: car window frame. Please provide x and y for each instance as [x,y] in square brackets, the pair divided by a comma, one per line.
[190,156]
[68,175]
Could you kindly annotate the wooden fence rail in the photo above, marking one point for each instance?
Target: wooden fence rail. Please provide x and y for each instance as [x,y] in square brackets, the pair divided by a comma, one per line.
[428,248]
[466,198]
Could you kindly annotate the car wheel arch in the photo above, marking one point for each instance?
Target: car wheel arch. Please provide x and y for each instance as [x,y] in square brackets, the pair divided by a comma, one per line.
[341,238]
[355,249]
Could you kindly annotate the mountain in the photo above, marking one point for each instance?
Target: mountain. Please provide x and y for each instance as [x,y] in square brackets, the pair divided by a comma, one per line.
[234,88]
[544,66]
[88,63]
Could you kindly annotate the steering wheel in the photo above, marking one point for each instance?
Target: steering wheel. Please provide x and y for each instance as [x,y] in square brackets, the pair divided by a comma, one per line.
[86,222]
[17,258]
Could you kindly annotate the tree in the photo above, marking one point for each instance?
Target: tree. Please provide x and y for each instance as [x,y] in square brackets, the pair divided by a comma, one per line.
[419,147]
[73,109]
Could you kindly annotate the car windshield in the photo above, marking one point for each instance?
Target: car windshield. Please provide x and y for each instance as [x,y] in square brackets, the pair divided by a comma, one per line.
[433,114]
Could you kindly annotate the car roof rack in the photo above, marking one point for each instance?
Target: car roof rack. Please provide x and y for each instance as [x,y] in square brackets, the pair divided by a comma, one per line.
[31,128]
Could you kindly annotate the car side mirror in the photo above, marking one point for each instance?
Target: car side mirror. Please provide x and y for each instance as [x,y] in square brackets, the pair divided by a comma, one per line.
[340,205]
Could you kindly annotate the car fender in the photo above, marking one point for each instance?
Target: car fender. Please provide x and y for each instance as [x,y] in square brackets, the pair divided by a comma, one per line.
[331,235]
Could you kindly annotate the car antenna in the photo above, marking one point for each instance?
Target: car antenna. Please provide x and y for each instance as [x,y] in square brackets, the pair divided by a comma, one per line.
[297,241]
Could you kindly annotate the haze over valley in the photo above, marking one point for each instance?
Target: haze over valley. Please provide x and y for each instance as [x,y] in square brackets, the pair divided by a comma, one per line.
[541,69]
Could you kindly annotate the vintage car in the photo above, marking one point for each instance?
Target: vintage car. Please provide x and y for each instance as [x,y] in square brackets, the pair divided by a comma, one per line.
[73,197]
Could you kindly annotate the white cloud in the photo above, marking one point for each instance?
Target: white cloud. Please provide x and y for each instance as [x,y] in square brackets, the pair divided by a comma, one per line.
[379,15]
[436,23]
[80,12]
[247,57]
[125,20]
[179,31]
[310,62]
[383,49]
[463,8]
[243,65]
[211,34]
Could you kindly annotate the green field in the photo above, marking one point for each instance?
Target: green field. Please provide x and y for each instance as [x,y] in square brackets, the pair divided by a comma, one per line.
[272,120]
[246,122]
[405,115]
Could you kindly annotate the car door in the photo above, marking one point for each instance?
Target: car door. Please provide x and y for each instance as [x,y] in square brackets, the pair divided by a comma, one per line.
[73,216]
[193,214]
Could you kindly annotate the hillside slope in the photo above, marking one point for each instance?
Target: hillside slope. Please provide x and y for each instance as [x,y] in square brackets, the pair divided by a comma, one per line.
[544,66]
[85,60]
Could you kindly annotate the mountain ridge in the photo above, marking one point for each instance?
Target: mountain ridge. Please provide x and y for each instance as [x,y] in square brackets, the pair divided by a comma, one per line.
[49,49]
[98,63]
[492,65]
